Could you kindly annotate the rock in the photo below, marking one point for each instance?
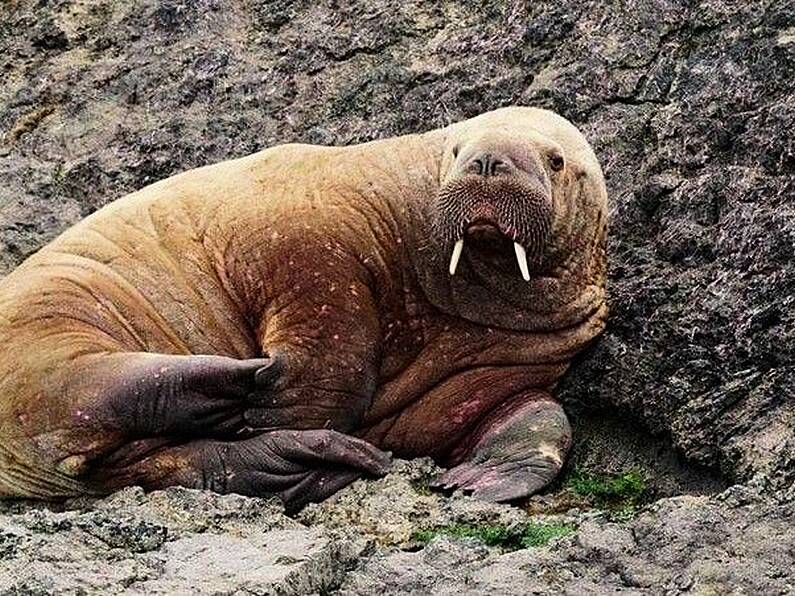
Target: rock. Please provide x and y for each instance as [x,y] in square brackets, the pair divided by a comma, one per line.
[690,107]
[186,541]
[391,510]
[275,562]
[737,541]
[167,542]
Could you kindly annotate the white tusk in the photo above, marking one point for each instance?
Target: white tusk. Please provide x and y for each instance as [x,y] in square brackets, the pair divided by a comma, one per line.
[521,256]
[457,250]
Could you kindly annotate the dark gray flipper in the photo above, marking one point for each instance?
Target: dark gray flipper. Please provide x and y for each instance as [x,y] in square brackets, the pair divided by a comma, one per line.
[159,394]
[300,466]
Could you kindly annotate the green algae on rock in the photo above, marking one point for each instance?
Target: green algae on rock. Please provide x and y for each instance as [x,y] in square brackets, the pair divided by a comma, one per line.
[508,538]
[609,490]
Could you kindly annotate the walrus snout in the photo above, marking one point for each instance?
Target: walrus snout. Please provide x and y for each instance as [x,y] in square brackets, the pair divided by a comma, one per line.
[496,155]
[484,229]
[495,208]
[497,196]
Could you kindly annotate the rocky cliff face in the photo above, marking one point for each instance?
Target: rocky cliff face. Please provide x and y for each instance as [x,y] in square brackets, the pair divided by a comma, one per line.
[690,106]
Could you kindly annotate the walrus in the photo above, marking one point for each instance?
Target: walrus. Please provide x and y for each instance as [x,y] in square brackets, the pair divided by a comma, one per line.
[287,322]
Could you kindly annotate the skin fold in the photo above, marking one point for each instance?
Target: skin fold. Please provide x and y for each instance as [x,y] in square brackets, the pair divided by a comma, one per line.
[281,323]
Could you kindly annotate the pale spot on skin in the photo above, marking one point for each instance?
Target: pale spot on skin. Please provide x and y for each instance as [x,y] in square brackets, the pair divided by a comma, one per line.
[72,465]
[551,452]
[466,411]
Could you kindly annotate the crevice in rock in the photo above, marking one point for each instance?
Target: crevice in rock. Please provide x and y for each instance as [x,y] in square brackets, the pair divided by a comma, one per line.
[610,442]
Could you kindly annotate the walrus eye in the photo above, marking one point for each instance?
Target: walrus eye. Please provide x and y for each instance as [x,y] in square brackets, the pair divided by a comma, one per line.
[556,162]
[456,149]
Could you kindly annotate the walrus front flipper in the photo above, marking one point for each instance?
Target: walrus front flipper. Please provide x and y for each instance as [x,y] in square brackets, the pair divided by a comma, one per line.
[515,452]
[301,466]
[90,406]
[144,395]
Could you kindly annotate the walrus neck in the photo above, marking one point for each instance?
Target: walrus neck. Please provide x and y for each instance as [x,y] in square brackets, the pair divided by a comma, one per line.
[558,299]
[408,173]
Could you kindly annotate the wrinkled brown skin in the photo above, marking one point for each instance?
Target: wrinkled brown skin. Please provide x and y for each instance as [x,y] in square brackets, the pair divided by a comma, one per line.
[275,324]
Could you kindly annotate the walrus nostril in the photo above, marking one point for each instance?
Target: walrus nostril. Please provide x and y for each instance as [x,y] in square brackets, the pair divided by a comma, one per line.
[478,166]
[496,166]
[487,165]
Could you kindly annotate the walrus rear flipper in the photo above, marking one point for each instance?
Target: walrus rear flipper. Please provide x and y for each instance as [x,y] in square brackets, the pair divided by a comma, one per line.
[159,420]
[144,395]
[300,466]
[59,431]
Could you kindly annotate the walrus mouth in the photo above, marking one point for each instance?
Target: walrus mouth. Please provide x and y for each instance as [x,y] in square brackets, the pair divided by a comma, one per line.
[488,230]
[502,219]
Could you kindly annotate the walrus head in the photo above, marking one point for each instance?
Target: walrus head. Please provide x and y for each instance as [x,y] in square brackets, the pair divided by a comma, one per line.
[497,201]
[516,229]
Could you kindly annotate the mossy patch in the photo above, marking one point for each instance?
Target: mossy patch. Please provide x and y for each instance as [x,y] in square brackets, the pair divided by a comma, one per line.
[541,534]
[508,538]
[616,492]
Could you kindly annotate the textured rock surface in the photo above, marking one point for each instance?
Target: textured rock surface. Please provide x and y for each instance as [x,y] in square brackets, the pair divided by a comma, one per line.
[359,542]
[690,106]
[699,545]
[171,542]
